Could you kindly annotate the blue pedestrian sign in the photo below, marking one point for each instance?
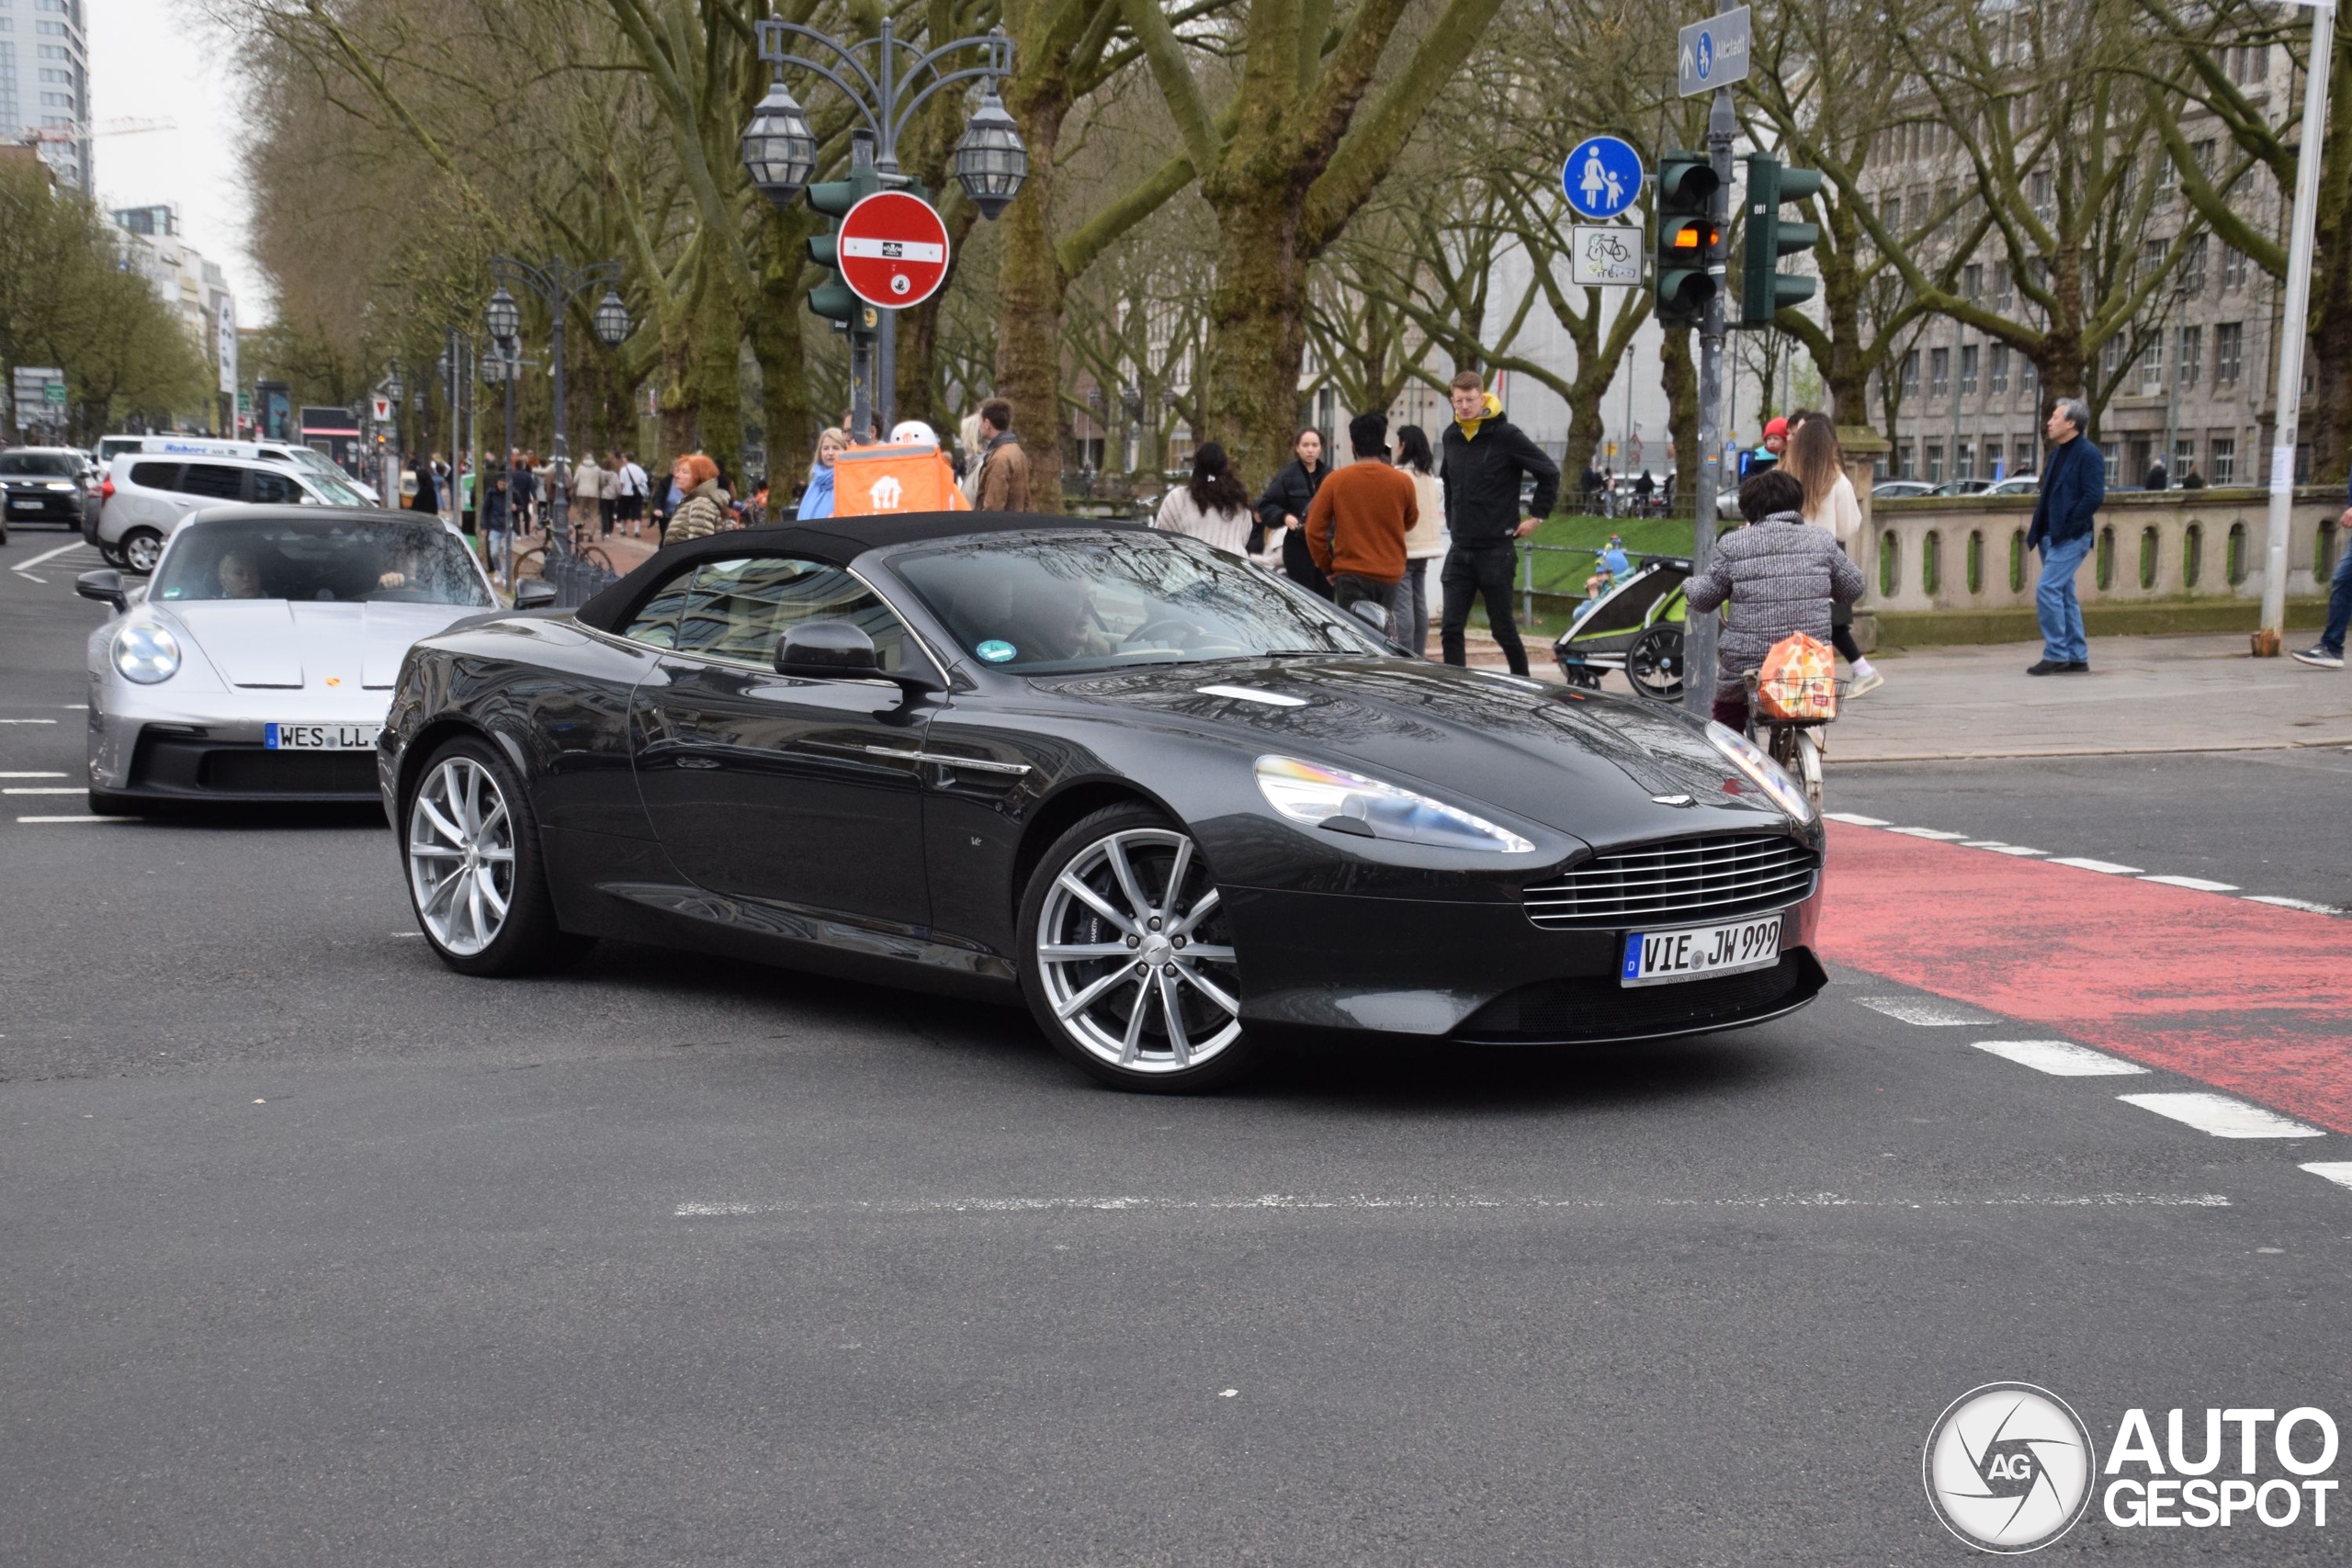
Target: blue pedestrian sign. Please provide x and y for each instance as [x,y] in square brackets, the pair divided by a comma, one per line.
[1602,176]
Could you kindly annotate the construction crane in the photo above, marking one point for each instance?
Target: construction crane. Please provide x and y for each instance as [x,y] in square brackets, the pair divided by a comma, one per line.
[79,130]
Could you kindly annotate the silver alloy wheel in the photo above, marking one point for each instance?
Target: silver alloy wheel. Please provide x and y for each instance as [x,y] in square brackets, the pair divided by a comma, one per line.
[461,855]
[1131,948]
[141,549]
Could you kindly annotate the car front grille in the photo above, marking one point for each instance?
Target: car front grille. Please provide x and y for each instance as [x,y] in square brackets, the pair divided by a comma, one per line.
[1678,881]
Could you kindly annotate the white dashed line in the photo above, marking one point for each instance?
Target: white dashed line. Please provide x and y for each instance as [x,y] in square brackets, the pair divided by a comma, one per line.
[2194,884]
[2304,904]
[72,818]
[2007,848]
[1927,1013]
[1423,1202]
[2337,1171]
[2107,867]
[24,566]
[1938,834]
[23,790]
[31,775]
[1854,819]
[28,721]
[2221,1116]
[2061,1058]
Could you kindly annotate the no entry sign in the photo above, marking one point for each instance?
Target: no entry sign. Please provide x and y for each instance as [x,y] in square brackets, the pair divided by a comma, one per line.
[893,249]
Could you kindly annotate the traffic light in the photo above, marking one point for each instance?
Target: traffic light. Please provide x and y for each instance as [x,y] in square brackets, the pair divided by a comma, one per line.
[1687,238]
[834,299]
[1764,289]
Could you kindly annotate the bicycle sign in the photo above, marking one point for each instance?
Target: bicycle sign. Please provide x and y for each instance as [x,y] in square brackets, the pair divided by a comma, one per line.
[1602,178]
[1604,255]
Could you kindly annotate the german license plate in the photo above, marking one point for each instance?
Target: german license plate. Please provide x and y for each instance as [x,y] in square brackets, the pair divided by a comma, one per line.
[320,736]
[1660,958]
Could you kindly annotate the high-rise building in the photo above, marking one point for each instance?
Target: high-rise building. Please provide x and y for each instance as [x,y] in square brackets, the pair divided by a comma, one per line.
[45,80]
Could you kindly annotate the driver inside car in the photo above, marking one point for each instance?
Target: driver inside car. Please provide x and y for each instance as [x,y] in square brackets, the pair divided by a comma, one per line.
[1057,619]
[238,577]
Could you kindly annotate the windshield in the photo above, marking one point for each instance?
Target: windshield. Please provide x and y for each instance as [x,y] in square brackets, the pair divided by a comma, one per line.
[55,465]
[340,560]
[1043,603]
[333,485]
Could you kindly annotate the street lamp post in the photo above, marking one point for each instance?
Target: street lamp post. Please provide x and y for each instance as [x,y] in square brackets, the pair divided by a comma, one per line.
[557,284]
[781,154]
[506,365]
[390,464]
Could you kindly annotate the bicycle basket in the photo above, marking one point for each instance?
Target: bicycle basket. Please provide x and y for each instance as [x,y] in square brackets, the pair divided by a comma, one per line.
[1799,680]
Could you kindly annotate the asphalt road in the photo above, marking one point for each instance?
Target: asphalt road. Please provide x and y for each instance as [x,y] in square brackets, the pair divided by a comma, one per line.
[320,1254]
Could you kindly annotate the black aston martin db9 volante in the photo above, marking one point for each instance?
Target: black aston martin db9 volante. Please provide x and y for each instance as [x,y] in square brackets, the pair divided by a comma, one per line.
[1172,803]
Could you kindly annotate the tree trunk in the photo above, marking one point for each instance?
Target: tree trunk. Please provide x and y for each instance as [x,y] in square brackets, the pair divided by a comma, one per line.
[1029,305]
[2329,348]
[789,426]
[1257,326]
[1679,377]
[715,366]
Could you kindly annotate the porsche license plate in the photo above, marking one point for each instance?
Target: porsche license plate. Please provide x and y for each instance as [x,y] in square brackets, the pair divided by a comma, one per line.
[1659,958]
[320,736]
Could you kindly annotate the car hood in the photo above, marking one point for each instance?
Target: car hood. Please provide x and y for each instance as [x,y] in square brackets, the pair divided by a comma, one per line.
[1606,769]
[291,644]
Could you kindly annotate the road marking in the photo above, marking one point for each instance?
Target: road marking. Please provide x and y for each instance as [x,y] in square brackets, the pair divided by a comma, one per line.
[1424,1201]
[26,566]
[1928,1012]
[28,721]
[2107,867]
[2337,1171]
[2007,848]
[72,818]
[2221,1116]
[1936,833]
[31,775]
[1853,819]
[2194,884]
[2060,1058]
[2304,904]
[20,790]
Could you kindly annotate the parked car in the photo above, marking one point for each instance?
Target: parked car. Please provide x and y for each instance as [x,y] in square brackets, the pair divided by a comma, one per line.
[42,484]
[256,663]
[1174,803]
[144,498]
[2016,484]
[1900,490]
[290,454]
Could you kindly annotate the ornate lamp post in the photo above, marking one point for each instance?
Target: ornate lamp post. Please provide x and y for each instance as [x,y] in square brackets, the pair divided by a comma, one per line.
[886,79]
[557,284]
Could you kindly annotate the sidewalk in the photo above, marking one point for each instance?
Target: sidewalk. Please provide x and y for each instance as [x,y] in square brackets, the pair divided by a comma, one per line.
[2144,694]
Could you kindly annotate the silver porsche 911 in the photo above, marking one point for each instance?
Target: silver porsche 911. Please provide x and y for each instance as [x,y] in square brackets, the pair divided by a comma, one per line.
[258,662]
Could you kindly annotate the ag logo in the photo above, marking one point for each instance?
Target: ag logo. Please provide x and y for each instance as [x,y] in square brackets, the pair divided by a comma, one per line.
[2008,1467]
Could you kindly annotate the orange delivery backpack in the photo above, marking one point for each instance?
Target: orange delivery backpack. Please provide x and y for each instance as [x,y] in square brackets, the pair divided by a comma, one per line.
[1799,680]
[889,479]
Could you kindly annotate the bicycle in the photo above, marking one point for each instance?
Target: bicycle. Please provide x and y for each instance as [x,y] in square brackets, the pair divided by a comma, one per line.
[1797,744]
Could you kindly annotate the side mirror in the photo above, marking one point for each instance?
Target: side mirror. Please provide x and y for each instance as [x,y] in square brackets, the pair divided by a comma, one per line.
[534,593]
[840,650]
[105,586]
[1371,613]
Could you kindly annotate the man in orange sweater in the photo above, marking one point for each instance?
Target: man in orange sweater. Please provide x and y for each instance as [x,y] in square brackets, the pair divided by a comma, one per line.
[1356,526]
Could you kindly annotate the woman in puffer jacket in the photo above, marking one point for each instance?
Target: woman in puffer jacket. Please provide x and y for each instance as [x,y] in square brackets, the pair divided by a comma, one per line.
[702,510]
[1780,574]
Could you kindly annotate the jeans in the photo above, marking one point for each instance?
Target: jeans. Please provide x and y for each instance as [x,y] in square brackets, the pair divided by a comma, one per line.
[1416,606]
[2339,605]
[1348,591]
[1480,570]
[2054,601]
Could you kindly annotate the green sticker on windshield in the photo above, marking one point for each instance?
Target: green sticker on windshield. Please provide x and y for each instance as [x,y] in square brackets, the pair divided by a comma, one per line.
[996,651]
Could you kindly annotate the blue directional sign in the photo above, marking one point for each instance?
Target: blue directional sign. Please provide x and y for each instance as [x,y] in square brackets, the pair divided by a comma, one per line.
[1602,176]
[1713,53]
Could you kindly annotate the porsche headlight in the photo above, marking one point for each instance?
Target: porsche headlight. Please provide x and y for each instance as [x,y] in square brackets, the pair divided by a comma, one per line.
[146,653]
[1758,764]
[1314,794]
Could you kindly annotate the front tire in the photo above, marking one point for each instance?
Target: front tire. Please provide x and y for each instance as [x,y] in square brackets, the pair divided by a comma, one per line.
[470,845]
[1126,959]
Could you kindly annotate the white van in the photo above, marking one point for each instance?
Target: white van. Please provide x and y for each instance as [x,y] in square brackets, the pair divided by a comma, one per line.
[145,497]
[293,454]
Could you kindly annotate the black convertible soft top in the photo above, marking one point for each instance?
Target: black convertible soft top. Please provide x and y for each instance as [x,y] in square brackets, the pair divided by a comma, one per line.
[839,541]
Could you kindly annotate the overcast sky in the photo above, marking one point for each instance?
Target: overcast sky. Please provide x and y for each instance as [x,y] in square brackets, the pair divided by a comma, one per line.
[152,59]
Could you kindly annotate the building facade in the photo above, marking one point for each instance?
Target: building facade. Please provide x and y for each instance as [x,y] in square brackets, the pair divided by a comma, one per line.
[45,82]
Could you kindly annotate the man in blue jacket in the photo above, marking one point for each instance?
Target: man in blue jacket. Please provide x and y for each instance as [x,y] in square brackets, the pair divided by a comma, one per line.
[2073,484]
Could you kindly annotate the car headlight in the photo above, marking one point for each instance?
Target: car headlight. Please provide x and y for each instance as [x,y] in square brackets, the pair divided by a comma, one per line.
[1317,795]
[146,653]
[53,485]
[1758,764]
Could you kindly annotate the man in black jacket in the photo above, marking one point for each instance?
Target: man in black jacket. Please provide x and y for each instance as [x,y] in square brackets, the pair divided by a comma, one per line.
[1484,456]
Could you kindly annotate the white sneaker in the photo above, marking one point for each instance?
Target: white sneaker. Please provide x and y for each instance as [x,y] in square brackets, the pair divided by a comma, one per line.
[1869,681]
[2320,657]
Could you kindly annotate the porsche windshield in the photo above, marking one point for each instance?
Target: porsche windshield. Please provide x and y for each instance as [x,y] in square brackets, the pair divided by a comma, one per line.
[334,559]
[1046,603]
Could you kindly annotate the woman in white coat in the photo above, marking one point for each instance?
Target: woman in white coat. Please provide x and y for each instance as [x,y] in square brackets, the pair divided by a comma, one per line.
[1213,505]
[1816,460]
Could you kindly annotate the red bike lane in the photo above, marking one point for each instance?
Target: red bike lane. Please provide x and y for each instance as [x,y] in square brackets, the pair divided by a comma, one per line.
[2246,997]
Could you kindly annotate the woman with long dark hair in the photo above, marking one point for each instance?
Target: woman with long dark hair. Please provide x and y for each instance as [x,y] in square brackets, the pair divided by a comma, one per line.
[1818,462]
[1214,505]
[1282,510]
[1425,541]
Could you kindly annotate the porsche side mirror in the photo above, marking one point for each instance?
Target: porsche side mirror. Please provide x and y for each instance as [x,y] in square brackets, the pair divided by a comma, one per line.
[534,593]
[105,586]
[840,650]
[1371,613]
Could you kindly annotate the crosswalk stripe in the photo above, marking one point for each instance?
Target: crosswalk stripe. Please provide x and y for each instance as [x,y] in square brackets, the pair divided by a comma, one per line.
[2221,1116]
[2060,1058]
